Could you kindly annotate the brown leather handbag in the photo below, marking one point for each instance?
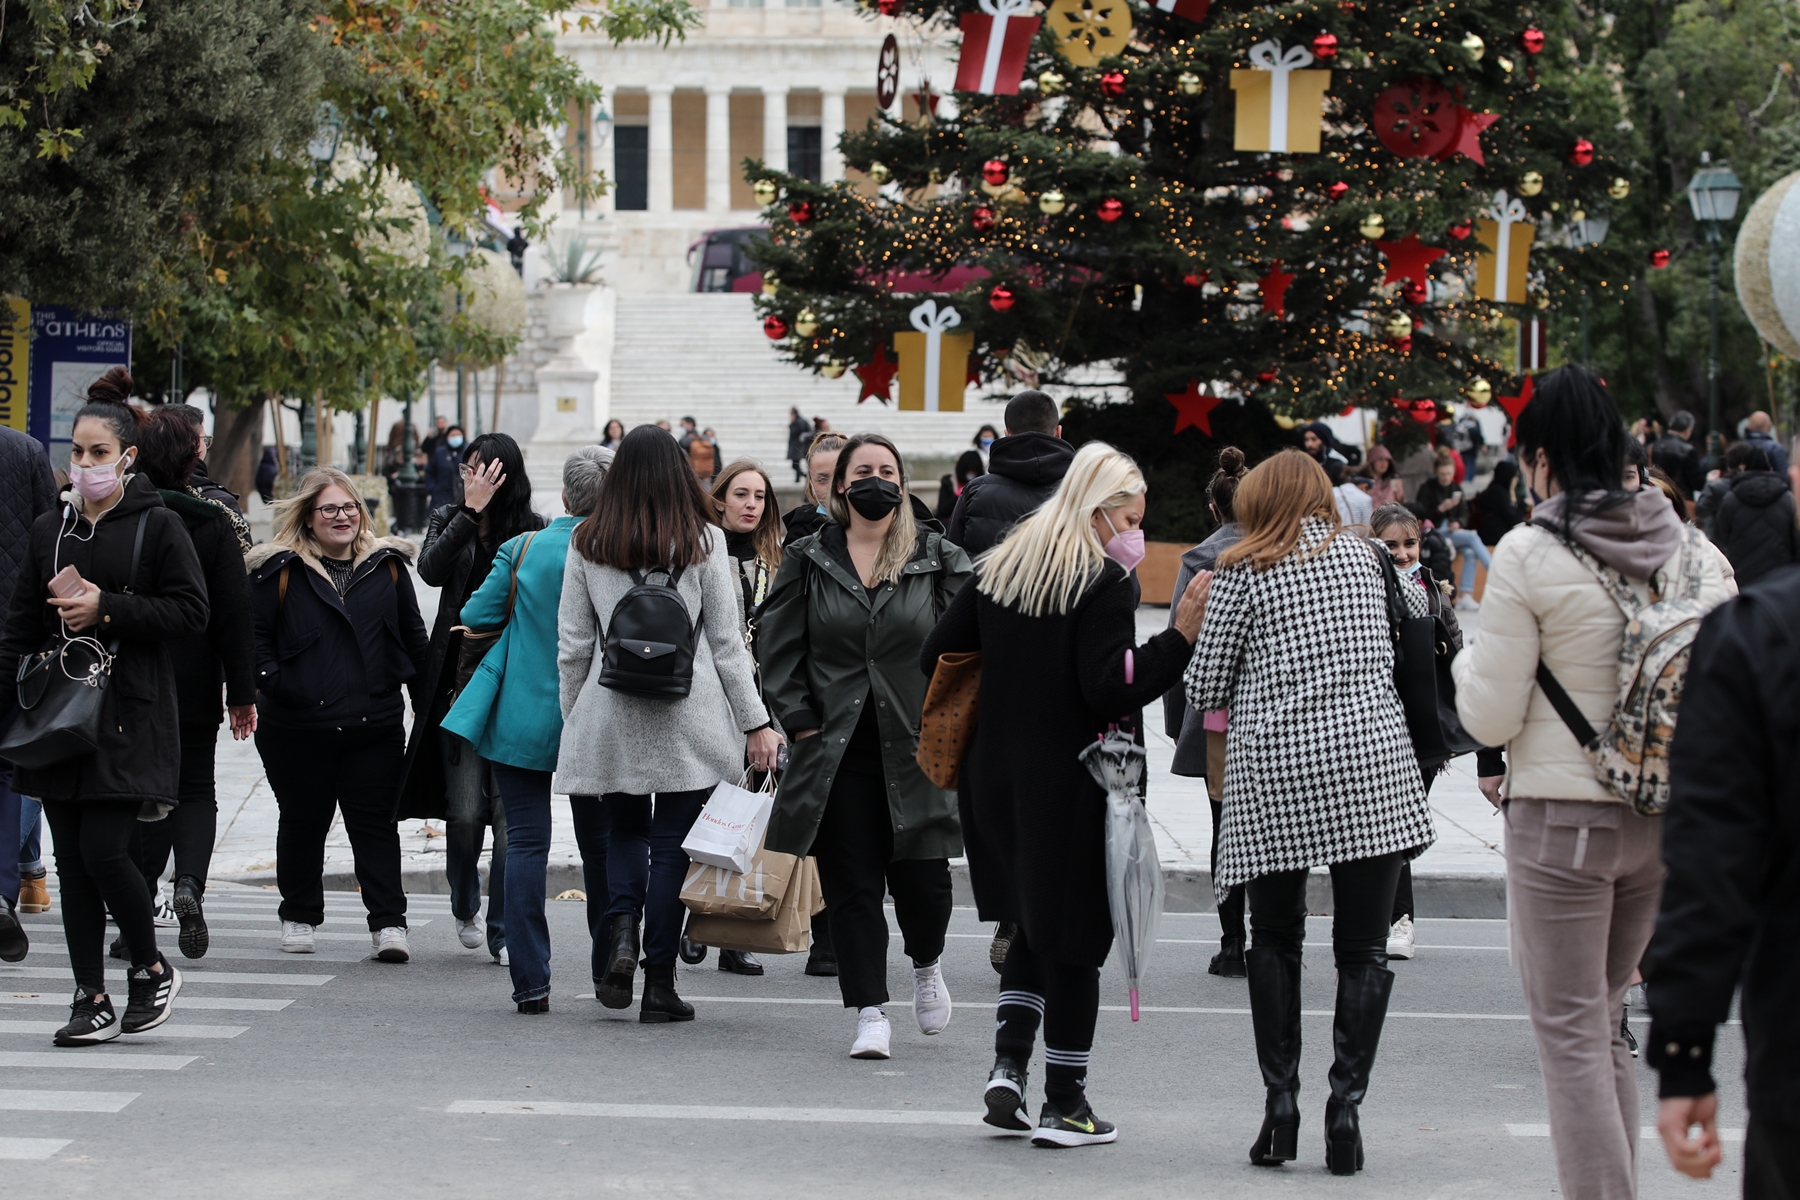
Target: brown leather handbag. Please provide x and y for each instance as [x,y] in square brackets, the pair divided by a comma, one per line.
[947,723]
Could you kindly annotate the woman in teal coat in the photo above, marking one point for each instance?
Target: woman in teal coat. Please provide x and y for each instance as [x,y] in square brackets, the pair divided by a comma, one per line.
[510,713]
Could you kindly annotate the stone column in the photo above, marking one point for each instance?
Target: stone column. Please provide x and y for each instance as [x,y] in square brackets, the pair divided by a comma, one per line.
[662,149]
[831,128]
[603,159]
[775,128]
[718,148]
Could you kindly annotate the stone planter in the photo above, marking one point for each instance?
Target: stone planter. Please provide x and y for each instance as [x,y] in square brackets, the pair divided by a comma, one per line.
[565,312]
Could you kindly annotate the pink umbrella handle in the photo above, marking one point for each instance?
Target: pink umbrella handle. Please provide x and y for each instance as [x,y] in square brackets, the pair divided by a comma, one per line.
[1134,1004]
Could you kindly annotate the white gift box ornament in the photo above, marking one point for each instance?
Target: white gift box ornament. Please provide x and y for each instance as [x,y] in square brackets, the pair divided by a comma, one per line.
[1506,234]
[1279,103]
[934,363]
[995,42]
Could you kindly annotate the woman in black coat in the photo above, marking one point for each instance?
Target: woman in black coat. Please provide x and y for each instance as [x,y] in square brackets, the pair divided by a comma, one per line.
[223,652]
[1051,611]
[140,589]
[1754,524]
[338,634]
[445,777]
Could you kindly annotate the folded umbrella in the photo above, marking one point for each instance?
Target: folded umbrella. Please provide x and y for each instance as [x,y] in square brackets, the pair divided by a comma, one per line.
[1134,882]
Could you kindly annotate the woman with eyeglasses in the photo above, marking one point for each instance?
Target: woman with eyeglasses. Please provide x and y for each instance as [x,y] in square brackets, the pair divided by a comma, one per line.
[338,633]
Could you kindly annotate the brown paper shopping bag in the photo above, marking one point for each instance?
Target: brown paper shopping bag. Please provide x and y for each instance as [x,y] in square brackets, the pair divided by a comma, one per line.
[787,931]
[720,891]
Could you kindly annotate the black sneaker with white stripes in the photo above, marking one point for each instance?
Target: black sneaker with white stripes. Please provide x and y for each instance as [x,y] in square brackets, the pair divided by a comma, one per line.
[152,995]
[91,1021]
[1077,1128]
[1005,1097]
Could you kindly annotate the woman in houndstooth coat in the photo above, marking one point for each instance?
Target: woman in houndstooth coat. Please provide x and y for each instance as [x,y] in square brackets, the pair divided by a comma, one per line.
[1319,771]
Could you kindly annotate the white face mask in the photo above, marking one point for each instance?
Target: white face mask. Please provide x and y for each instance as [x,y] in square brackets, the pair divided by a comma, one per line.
[1412,572]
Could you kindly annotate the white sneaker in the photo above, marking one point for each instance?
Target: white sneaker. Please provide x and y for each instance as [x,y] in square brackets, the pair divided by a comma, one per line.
[931,999]
[296,937]
[1468,604]
[872,1034]
[502,957]
[469,933]
[1400,939]
[390,944]
[165,912]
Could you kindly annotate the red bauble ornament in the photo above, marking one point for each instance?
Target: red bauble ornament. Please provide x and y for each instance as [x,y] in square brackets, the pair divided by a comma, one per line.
[775,327]
[1424,411]
[800,211]
[1659,259]
[1325,46]
[1415,292]
[1532,39]
[1195,280]
[1461,230]
[995,172]
[890,8]
[982,219]
[1001,298]
[1113,83]
[1338,190]
[1267,376]
[1582,152]
[1416,118]
[1110,209]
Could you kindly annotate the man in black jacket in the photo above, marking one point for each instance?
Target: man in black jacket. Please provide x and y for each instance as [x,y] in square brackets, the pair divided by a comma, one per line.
[1024,467]
[1731,841]
[1676,453]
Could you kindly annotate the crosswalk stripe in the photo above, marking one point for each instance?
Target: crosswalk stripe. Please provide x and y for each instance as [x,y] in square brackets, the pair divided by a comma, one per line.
[11,1147]
[709,1112]
[1148,1008]
[54,938]
[223,1003]
[161,1031]
[188,976]
[100,1102]
[94,1059]
[1647,1132]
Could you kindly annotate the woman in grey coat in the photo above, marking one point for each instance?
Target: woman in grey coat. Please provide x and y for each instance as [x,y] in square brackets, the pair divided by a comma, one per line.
[652,519]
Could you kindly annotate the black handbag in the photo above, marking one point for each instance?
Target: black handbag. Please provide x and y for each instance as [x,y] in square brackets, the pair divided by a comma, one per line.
[62,690]
[1423,652]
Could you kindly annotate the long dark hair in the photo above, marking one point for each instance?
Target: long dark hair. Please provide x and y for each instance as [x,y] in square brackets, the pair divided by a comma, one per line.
[168,449]
[1573,420]
[509,513]
[651,511]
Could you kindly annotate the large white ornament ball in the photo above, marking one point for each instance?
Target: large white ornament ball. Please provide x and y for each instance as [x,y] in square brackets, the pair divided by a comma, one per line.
[1767,265]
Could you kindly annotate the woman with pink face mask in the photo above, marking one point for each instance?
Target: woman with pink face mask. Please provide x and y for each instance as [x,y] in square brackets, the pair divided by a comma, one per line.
[1051,611]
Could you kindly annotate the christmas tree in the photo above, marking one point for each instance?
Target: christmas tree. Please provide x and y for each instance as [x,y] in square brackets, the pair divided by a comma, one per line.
[1238,215]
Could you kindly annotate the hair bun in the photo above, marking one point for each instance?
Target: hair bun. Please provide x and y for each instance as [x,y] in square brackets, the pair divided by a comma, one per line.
[1231,460]
[114,387]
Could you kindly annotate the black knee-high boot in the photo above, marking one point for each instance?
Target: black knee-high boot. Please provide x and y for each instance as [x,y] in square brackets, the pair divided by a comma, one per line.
[1275,1015]
[1362,1001]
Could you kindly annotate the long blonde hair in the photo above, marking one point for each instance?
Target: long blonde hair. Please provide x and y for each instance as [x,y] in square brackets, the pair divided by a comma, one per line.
[1053,555]
[902,532]
[293,516]
[1273,503]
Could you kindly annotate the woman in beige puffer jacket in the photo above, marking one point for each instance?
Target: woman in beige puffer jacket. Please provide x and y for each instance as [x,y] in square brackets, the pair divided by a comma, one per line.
[1584,871]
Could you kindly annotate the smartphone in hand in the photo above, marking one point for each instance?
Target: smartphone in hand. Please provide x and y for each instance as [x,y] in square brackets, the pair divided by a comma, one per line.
[67,584]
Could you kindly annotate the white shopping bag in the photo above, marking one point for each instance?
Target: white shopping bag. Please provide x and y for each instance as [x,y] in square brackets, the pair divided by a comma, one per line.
[730,829]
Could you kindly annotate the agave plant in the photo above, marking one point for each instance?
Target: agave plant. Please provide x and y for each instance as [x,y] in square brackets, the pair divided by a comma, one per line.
[575,261]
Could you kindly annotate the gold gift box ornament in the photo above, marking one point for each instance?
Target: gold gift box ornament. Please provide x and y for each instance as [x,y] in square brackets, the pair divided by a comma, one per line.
[1506,235]
[934,363]
[1280,104]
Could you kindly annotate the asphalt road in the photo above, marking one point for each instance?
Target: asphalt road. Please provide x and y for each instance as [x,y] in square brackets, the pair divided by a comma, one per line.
[333,1075]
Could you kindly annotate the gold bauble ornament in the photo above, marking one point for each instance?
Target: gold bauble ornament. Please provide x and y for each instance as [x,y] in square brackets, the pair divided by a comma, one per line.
[1286,422]
[1619,188]
[1530,183]
[935,176]
[1575,214]
[1474,45]
[1051,83]
[834,368]
[1052,202]
[1372,226]
[1480,392]
[1505,64]
[765,192]
[770,283]
[1541,300]
[1189,83]
[1399,325]
[806,323]
[879,173]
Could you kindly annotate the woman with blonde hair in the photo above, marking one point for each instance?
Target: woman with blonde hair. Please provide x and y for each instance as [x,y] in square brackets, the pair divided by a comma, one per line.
[338,633]
[1051,613]
[839,638]
[1319,771]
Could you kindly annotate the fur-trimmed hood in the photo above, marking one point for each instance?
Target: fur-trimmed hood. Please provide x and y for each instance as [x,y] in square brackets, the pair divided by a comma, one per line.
[271,554]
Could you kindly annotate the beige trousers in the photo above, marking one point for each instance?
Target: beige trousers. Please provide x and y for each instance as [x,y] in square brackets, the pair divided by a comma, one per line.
[1582,884]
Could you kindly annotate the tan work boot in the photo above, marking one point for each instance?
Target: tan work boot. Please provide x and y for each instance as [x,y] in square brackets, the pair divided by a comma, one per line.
[34,896]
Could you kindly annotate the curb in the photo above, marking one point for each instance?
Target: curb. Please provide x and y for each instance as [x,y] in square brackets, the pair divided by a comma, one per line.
[1472,894]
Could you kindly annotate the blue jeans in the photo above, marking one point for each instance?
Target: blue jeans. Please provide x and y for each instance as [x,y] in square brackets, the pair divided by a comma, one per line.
[525,794]
[31,834]
[645,865]
[1469,542]
[473,805]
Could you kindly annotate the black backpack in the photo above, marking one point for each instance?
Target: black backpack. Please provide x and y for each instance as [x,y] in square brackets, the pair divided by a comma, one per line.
[650,640]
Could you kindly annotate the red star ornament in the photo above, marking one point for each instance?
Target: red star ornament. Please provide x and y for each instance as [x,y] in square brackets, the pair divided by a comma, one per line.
[1193,407]
[1273,287]
[877,376]
[1468,134]
[1514,405]
[1409,258]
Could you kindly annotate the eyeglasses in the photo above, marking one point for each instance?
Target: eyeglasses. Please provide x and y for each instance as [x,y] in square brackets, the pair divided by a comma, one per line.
[336,510]
[205,442]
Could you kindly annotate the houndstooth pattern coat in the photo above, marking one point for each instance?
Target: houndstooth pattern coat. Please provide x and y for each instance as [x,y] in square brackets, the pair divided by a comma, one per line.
[1319,767]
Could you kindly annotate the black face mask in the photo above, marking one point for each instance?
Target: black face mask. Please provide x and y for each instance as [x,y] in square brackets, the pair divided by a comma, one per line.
[874,498]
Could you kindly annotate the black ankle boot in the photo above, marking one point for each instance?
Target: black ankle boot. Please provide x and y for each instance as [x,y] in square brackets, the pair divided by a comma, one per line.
[661,1004]
[1275,1016]
[1229,961]
[1362,1000]
[621,962]
[194,938]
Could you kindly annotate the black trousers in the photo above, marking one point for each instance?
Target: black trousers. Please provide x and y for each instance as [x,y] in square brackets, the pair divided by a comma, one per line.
[855,849]
[193,827]
[1403,896]
[1362,896]
[1771,1160]
[1066,997]
[96,872]
[1231,910]
[315,772]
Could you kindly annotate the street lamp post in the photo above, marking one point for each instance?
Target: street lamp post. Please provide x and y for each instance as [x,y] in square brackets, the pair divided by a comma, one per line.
[1713,196]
